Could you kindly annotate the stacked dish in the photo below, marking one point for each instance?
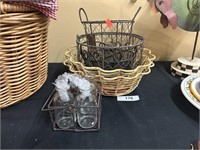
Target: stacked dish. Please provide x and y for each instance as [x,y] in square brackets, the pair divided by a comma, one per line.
[185,67]
[111,82]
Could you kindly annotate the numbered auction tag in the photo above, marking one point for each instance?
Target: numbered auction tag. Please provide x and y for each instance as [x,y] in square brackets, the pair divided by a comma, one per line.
[128,98]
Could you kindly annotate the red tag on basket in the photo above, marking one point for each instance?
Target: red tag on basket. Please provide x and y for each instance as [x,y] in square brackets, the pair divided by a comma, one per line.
[109,23]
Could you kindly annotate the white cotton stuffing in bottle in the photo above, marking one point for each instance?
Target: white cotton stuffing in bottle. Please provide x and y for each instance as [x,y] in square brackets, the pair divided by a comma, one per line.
[62,86]
[67,80]
[63,95]
[84,86]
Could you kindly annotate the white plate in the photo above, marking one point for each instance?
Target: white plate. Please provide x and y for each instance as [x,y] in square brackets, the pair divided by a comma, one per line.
[185,88]
[195,88]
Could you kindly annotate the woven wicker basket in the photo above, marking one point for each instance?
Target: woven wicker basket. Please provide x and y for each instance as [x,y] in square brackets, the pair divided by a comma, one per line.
[23,52]
[111,82]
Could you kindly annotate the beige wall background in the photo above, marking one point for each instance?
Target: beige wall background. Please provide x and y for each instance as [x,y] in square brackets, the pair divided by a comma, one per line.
[166,44]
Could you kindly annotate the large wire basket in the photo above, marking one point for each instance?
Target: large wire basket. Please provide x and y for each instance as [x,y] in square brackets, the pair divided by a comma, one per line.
[117,26]
[110,50]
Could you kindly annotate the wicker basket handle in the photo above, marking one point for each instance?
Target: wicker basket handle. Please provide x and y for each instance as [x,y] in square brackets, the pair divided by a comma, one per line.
[81,10]
[9,8]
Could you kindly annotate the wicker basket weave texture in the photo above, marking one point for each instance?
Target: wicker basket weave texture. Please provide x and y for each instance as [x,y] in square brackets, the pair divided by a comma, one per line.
[23,52]
[111,82]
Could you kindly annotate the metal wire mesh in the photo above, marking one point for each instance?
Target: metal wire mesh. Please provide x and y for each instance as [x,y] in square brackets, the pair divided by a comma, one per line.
[118,26]
[110,50]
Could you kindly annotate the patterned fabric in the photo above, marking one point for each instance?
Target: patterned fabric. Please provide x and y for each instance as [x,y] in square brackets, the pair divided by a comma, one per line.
[47,7]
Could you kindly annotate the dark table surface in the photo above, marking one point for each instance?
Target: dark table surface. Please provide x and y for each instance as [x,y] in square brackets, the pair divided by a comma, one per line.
[162,118]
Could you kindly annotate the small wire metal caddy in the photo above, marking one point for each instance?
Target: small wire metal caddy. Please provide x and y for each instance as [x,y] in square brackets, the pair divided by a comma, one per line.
[73,111]
[109,46]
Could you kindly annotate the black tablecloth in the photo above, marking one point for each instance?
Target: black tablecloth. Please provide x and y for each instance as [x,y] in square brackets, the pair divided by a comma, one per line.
[162,118]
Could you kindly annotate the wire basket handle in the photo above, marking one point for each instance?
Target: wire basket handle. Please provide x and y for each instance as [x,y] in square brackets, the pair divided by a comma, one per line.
[136,13]
[81,10]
